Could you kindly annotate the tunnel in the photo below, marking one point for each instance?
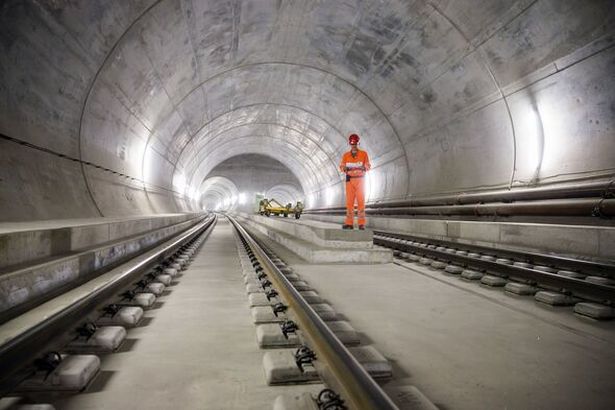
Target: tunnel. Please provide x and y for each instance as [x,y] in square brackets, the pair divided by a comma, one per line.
[130,128]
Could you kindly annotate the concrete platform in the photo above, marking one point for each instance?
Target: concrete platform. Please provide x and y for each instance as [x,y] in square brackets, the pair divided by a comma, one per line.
[319,242]
[324,234]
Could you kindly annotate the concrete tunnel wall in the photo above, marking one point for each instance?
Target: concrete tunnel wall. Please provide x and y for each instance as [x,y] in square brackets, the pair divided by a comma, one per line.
[117,107]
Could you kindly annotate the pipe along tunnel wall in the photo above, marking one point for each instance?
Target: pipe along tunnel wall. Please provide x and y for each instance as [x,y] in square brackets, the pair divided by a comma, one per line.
[124,108]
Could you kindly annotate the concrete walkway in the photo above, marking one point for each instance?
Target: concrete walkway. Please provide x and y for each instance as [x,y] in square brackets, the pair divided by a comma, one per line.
[467,347]
[197,351]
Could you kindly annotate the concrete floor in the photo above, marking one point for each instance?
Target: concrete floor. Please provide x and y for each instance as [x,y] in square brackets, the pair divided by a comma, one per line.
[467,350]
[466,346]
[197,351]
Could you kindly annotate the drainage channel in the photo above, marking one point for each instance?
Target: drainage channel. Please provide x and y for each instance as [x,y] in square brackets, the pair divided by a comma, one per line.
[306,341]
[552,280]
[54,348]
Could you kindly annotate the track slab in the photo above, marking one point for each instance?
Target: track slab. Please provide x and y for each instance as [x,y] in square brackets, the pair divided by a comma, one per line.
[197,351]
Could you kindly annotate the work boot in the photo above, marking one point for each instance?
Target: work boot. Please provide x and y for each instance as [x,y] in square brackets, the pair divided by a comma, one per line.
[361,227]
[346,226]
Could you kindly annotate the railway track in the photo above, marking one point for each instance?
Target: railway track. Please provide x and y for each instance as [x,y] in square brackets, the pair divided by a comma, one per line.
[53,347]
[298,313]
[587,285]
[303,323]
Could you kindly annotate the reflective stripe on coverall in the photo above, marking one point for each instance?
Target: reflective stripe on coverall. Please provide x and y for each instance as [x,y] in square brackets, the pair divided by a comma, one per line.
[355,184]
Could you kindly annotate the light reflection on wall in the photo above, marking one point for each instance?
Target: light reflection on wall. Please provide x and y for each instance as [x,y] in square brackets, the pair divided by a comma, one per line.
[330,194]
[372,182]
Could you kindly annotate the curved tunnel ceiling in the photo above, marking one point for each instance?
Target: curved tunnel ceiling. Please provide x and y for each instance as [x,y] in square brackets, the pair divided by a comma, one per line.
[447,95]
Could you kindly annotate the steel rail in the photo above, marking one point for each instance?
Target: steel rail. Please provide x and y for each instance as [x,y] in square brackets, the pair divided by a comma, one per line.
[23,348]
[336,365]
[587,266]
[579,287]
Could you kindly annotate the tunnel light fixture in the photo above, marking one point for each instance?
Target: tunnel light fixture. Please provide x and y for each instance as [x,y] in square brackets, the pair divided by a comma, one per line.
[242,198]
[372,182]
[552,150]
[311,199]
[179,182]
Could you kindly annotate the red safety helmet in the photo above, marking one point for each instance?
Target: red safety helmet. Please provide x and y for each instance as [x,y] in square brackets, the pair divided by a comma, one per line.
[353,139]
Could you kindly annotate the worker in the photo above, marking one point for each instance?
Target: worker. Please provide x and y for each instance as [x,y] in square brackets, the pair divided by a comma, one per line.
[355,163]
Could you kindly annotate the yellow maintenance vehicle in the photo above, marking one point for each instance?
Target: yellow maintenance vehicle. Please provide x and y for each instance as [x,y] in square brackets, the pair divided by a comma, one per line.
[269,207]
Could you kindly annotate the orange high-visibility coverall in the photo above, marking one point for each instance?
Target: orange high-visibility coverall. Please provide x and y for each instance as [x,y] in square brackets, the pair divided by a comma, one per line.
[355,184]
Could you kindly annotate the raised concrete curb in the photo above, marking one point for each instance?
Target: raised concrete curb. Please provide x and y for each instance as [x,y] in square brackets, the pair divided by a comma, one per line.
[593,242]
[358,251]
[27,242]
[319,233]
[25,287]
